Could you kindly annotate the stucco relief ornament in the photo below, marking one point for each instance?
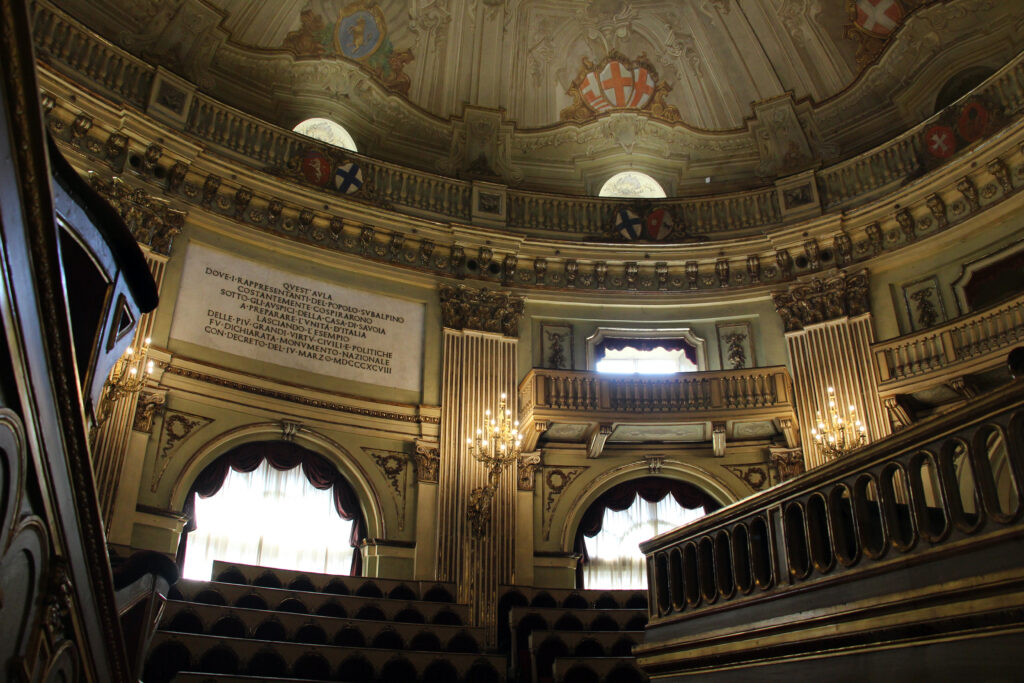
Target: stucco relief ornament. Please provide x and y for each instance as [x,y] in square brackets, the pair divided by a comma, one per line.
[618,83]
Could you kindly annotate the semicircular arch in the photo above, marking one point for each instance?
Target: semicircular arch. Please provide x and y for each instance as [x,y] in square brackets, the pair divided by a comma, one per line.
[335,453]
[699,477]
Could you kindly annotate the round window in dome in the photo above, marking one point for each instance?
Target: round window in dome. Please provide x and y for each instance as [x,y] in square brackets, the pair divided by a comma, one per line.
[632,185]
[327,131]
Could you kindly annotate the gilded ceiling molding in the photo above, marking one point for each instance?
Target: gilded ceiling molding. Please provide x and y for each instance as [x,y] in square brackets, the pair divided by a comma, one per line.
[485,310]
[823,299]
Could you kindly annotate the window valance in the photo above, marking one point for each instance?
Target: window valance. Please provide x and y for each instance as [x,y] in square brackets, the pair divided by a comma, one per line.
[281,455]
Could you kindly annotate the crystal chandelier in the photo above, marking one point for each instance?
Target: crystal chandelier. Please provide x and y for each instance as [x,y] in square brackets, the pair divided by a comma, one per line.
[125,379]
[496,445]
[838,433]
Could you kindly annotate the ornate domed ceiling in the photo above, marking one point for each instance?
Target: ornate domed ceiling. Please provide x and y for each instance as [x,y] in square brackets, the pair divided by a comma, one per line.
[561,94]
[711,58]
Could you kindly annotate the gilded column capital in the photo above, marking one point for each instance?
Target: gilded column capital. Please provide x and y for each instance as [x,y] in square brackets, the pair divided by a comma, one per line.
[151,220]
[823,298]
[486,310]
[428,460]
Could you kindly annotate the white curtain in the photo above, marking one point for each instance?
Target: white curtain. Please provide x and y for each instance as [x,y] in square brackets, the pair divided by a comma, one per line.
[270,518]
[615,558]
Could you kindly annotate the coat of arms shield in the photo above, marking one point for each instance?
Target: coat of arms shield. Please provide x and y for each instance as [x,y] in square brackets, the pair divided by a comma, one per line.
[360,30]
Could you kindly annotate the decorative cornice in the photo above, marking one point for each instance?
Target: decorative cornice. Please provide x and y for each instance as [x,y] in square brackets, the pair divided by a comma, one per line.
[465,308]
[152,222]
[823,299]
[298,398]
[285,209]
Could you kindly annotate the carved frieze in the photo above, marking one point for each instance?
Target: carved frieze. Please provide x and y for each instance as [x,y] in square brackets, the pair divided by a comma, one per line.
[556,480]
[177,427]
[823,299]
[394,466]
[755,475]
[466,308]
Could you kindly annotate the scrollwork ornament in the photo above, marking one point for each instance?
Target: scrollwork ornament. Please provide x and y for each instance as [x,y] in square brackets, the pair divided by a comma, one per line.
[529,463]
[428,460]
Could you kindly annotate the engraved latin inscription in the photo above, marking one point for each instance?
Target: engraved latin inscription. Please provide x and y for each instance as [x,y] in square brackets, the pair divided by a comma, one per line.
[245,308]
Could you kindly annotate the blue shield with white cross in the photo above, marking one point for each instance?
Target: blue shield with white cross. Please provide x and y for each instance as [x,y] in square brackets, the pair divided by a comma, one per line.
[628,224]
[348,178]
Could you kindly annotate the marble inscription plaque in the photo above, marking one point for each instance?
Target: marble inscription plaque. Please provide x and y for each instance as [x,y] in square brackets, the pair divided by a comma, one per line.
[249,309]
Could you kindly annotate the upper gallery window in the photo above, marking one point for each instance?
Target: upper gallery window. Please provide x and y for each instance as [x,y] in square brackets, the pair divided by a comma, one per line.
[651,361]
[632,185]
[328,131]
[645,351]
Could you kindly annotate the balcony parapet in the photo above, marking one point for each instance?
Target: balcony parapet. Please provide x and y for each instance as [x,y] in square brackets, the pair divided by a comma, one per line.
[943,354]
[80,55]
[603,401]
[813,561]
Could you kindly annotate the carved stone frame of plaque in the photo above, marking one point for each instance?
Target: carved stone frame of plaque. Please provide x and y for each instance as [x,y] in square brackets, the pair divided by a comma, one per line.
[489,203]
[736,343]
[170,97]
[798,195]
[556,343]
[924,305]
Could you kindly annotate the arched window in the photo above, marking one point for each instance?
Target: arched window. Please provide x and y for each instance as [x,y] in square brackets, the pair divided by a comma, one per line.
[632,185]
[272,504]
[660,351]
[657,360]
[327,131]
[614,525]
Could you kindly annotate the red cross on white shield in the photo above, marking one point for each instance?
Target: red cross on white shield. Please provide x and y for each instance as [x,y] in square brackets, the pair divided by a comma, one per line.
[880,17]
[940,141]
[592,95]
[643,88]
[617,83]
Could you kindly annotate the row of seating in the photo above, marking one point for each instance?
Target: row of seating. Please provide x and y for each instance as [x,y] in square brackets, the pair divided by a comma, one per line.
[327,604]
[312,582]
[185,617]
[540,637]
[254,623]
[180,652]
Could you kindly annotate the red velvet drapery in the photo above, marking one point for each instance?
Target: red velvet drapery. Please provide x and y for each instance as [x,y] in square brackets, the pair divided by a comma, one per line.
[651,489]
[281,455]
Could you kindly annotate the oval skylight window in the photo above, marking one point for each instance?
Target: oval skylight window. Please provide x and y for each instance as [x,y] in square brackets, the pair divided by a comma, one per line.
[328,131]
[632,185]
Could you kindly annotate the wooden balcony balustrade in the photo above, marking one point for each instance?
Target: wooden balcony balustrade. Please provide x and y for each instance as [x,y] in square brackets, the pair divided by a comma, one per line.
[893,544]
[604,400]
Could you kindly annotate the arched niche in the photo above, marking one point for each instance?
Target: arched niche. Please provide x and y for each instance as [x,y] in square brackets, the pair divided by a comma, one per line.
[350,468]
[706,481]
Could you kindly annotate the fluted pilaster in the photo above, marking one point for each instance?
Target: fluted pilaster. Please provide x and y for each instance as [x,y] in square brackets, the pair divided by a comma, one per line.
[477,366]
